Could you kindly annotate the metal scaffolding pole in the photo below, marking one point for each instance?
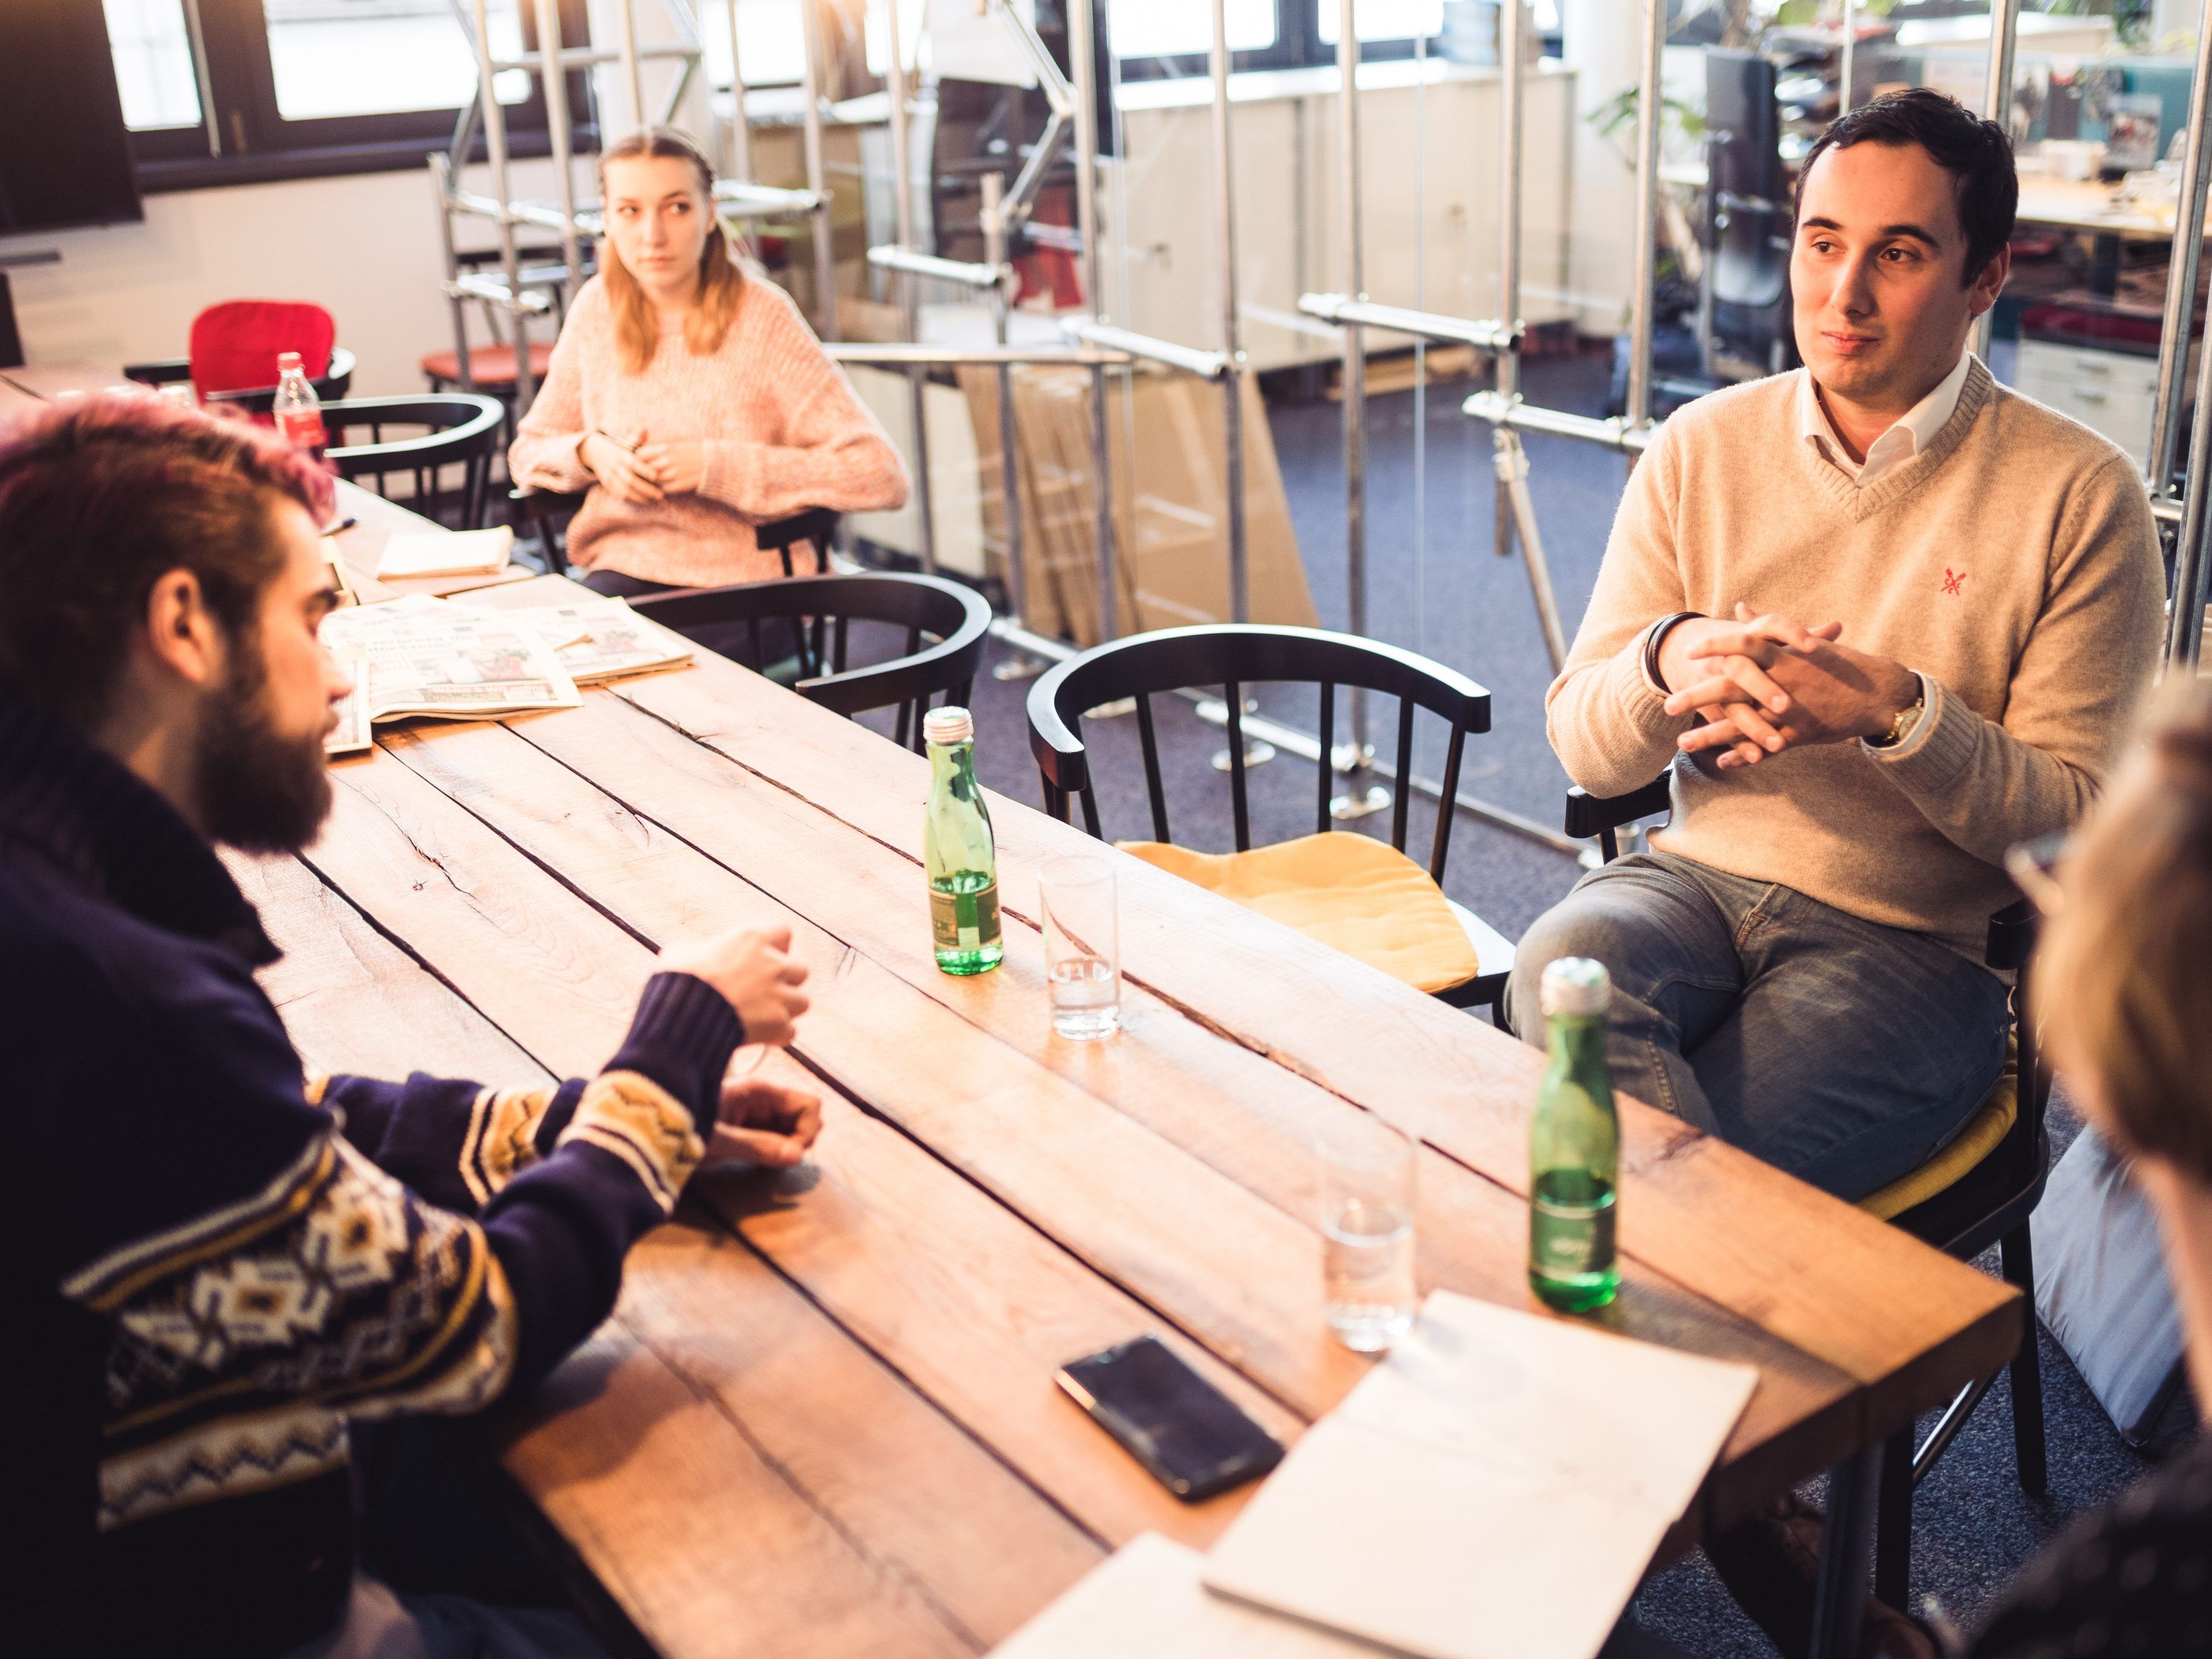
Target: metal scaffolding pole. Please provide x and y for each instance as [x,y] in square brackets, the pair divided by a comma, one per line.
[1083,71]
[825,254]
[556,82]
[1355,365]
[2181,273]
[1232,378]
[902,218]
[633,73]
[994,253]
[495,152]
[741,132]
[2004,29]
[1649,110]
[1850,65]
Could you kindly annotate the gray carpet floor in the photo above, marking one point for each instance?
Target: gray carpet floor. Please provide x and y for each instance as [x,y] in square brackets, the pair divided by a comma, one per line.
[1437,587]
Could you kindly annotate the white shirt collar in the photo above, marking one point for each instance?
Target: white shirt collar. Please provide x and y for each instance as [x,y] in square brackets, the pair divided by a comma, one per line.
[1913,432]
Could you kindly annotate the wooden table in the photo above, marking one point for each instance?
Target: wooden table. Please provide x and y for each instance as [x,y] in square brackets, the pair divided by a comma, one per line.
[822,1420]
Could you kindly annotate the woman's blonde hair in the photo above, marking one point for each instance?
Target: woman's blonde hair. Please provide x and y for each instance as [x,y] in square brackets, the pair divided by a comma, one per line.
[2120,982]
[721,282]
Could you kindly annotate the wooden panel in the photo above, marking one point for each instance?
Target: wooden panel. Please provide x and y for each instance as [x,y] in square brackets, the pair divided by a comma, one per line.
[77,375]
[854,1441]
[1801,1264]
[560,978]
[1225,1103]
[700,1541]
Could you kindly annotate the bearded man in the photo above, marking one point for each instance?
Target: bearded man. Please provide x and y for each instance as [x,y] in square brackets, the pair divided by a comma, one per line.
[214,1266]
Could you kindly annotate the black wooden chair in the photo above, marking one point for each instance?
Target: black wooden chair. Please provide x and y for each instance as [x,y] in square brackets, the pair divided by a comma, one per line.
[331,384]
[1978,1191]
[456,428]
[545,514]
[1234,656]
[953,620]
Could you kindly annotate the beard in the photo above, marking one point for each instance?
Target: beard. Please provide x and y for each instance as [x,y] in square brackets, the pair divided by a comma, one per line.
[256,788]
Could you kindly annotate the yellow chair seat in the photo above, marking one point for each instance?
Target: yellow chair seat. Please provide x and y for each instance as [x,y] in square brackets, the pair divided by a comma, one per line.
[1992,1121]
[1351,892]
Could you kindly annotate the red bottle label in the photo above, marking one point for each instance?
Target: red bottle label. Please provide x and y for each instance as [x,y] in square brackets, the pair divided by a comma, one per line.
[302,429]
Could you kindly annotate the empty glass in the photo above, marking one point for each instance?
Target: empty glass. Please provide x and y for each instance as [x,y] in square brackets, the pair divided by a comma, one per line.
[1082,947]
[1367,1228]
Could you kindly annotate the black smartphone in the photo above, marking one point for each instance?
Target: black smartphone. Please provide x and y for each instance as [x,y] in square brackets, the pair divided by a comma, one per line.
[1191,1437]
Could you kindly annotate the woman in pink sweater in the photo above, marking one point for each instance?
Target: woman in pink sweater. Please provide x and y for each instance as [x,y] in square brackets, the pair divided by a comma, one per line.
[693,401]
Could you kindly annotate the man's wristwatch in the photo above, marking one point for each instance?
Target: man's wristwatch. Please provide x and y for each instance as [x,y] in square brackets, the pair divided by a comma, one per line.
[1907,718]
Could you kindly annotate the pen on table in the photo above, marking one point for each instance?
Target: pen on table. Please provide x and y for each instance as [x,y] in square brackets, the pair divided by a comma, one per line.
[341,526]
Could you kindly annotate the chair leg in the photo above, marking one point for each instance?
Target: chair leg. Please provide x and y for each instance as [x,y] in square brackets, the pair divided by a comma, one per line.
[2027,1371]
[1892,1546]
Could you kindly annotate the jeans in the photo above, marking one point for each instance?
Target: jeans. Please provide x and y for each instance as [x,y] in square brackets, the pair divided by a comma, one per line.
[1841,1051]
[378,1623]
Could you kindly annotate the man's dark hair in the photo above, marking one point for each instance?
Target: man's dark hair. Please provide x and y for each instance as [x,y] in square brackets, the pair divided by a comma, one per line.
[1975,152]
[102,497]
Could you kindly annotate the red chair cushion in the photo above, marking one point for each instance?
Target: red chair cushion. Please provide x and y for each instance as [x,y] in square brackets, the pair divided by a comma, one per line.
[491,365]
[234,345]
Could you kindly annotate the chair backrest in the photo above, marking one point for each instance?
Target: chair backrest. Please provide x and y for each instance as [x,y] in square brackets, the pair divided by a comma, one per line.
[814,526]
[956,619]
[1232,656]
[459,427]
[545,513]
[234,345]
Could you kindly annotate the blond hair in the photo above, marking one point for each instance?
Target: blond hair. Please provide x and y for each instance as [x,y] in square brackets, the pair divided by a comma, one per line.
[721,282]
[2119,982]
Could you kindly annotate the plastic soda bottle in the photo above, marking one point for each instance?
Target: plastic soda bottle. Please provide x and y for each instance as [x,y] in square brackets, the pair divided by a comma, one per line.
[957,850]
[1574,1146]
[298,411]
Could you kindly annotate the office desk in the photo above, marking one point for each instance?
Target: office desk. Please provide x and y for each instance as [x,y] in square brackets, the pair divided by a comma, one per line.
[822,1419]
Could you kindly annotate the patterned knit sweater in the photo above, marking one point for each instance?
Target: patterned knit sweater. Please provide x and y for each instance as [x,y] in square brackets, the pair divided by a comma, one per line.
[782,428]
[211,1265]
[2013,563]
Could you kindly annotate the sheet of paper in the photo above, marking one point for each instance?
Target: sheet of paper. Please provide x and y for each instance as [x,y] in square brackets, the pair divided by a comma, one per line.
[598,638]
[351,734]
[1494,1490]
[447,553]
[1145,1603]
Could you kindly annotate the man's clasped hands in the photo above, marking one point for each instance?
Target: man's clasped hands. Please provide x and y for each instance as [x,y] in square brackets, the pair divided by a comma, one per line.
[1764,683]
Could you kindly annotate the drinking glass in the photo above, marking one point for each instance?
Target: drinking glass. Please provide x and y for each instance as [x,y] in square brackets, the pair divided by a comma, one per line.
[1367,1228]
[1082,947]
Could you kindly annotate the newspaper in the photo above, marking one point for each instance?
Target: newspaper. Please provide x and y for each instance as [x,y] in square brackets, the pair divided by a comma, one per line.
[424,656]
[597,638]
[351,732]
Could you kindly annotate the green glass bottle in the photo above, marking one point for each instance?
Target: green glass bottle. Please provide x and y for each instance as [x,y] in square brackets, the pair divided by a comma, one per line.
[1574,1147]
[957,850]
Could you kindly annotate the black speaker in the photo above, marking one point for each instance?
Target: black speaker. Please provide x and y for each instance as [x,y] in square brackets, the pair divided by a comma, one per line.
[11,341]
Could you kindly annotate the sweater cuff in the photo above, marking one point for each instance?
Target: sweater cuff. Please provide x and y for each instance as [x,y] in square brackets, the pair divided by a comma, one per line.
[682,1039]
[1937,751]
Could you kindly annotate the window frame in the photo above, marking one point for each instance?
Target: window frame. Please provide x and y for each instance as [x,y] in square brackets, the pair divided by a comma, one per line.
[1298,45]
[258,143]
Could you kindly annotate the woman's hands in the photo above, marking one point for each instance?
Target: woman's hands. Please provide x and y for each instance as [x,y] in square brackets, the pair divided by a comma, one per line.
[645,472]
[622,472]
[680,469]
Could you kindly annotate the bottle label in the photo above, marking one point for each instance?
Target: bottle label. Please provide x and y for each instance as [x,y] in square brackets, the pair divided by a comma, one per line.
[964,921]
[302,429]
[1570,1225]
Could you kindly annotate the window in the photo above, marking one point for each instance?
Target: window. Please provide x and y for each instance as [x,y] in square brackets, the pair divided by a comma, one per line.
[153,63]
[229,90]
[1176,28]
[770,41]
[1384,19]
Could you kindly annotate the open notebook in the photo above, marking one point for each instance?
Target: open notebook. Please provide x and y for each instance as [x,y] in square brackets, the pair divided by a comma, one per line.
[1494,1490]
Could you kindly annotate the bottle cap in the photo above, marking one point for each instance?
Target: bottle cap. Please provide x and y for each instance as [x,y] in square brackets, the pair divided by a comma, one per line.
[948,724]
[287,362]
[1576,987]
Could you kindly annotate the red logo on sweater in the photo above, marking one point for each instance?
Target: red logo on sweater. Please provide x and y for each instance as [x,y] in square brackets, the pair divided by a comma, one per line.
[1952,579]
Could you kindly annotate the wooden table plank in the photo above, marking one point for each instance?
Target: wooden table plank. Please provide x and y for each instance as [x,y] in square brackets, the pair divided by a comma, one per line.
[1228,1106]
[378,521]
[855,1443]
[74,377]
[1804,1264]
[436,879]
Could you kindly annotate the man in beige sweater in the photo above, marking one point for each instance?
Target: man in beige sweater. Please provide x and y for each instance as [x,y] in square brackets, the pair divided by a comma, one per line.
[1878,618]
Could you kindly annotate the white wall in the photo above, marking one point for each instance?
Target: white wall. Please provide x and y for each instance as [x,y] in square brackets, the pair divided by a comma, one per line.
[364,246]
